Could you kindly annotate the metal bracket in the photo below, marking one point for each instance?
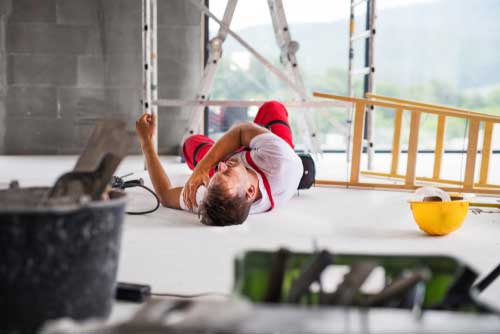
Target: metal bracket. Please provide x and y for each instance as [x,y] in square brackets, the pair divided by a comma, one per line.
[207,79]
[292,77]
[288,58]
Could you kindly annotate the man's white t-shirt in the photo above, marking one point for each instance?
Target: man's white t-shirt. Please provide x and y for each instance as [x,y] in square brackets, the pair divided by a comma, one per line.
[278,168]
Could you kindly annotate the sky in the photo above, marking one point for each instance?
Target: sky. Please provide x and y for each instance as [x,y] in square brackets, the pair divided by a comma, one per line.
[256,12]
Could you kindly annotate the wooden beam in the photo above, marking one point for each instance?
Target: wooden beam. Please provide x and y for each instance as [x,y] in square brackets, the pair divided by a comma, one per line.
[414,108]
[402,187]
[417,103]
[425,179]
[357,141]
[396,140]
[486,153]
[365,185]
[382,174]
[470,166]
[411,165]
[439,148]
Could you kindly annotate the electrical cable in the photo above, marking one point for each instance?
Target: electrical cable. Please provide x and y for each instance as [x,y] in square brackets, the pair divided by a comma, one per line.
[146,211]
[118,183]
[138,293]
[190,296]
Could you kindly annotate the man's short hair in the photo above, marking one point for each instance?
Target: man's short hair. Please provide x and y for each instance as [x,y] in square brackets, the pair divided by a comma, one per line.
[220,208]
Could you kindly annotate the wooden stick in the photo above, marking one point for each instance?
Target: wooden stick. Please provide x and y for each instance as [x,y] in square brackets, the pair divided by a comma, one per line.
[412,149]
[439,148]
[470,166]
[357,142]
[396,141]
[382,174]
[425,179]
[402,187]
[365,185]
[413,108]
[485,205]
[486,153]
[421,104]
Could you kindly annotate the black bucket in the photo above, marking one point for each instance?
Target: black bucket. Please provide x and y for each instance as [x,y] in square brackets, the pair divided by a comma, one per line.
[56,260]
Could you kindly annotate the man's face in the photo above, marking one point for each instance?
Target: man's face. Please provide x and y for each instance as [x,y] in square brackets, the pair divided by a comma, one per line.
[232,174]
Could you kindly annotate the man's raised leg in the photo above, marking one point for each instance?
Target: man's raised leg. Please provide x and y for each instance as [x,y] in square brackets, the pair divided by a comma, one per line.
[274,116]
[194,149]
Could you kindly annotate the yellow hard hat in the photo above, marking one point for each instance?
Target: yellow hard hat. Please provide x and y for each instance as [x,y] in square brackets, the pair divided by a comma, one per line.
[436,217]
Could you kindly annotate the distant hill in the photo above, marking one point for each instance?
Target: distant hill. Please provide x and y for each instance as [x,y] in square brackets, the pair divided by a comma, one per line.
[453,41]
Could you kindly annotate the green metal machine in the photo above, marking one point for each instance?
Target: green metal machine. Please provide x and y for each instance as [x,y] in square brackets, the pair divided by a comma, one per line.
[409,281]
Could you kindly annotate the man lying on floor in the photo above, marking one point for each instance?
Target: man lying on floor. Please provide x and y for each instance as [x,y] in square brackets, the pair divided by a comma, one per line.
[250,169]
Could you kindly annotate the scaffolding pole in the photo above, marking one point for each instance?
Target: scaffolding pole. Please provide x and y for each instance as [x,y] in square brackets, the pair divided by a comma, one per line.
[213,61]
[248,103]
[154,66]
[288,59]
[150,62]
[369,79]
[151,102]
[292,79]
[367,71]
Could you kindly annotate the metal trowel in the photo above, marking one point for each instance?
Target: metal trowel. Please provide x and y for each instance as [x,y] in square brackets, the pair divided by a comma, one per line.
[104,151]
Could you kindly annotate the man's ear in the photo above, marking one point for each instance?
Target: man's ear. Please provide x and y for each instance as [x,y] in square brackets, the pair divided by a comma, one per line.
[251,192]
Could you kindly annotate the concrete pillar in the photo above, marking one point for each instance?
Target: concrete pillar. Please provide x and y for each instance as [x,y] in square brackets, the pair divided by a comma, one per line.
[71,62]
[5,6]
[180,62]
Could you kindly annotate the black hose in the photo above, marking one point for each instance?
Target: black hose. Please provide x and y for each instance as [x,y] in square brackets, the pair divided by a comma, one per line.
[485,282]
[117,182]
[146,211]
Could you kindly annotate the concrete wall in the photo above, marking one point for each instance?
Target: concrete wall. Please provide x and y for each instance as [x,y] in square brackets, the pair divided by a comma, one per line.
[4,12]
[71,62]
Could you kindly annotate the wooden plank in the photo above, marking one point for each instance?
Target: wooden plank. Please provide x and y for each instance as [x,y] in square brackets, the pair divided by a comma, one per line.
[414,108]
[439,148]
[486,153]
[357,141]
[108,136]
[485,205]
[439,180]
[402,187]
[470,165]
[411,164]
[426,179]
[105,149]
[417,103]
[396,140]
[482,185]
[365,185]
[382,174]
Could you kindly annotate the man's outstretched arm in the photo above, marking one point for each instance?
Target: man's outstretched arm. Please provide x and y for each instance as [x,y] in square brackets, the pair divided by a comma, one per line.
[239,135]
[169,196]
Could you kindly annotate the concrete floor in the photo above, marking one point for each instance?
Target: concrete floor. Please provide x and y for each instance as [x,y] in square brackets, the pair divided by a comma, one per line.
[174,253]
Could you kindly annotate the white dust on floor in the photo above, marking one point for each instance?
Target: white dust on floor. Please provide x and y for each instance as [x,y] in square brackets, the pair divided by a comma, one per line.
[170,250]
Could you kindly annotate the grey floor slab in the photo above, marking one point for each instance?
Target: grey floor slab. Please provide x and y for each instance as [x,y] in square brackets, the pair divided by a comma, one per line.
[173,252]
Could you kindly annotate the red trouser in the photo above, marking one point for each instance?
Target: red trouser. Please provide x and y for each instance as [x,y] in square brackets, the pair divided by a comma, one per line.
[272,115]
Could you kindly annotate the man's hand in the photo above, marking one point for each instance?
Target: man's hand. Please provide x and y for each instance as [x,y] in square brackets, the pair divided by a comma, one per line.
[239,135]
[145,128]
[198,178]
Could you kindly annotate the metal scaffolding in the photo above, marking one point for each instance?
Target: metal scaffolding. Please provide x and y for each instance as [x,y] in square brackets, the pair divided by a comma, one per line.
[368,71]
[291,77]
[150,61]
